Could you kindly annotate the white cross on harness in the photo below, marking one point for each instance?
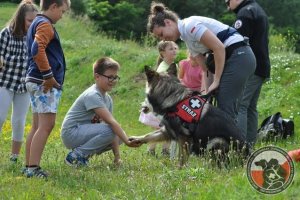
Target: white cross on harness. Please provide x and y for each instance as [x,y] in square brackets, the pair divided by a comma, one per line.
[195,103]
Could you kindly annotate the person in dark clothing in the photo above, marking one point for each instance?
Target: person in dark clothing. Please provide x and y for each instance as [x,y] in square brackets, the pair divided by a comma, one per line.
[252,22]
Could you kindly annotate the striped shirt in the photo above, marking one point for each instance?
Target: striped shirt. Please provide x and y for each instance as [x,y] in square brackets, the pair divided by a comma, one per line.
[13,56]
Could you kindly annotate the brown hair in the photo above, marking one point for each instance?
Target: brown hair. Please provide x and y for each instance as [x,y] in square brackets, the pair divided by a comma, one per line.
[45,4]
[17,22]
[158,13]
[105,63]
[161,46]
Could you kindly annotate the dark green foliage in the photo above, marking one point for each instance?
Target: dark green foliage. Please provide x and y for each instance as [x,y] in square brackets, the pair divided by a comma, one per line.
[120,19]
[128,18]
[285,16]
[15,1]
[12,1]
[78,7]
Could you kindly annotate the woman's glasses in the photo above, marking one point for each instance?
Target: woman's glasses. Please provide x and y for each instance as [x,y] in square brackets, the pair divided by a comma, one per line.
[111,78]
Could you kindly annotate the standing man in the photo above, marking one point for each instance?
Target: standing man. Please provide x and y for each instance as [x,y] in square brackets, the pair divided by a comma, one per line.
[252,22]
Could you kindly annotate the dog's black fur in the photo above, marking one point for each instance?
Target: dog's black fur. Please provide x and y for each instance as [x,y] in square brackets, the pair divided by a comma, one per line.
[164,93]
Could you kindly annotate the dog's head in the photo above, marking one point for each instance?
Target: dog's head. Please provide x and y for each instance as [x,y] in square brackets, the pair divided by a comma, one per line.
[164,90]
[153,76]
[262,163]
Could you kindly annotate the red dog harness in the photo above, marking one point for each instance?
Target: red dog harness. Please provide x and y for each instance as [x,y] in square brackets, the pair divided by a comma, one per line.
[190,109]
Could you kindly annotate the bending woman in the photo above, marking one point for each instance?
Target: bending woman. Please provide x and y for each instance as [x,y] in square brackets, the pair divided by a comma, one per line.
[233,57]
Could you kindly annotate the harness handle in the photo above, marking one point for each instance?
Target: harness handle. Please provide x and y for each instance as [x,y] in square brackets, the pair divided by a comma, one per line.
[209,97]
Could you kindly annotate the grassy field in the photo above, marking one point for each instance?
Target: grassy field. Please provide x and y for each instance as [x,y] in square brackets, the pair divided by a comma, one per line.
[141,176]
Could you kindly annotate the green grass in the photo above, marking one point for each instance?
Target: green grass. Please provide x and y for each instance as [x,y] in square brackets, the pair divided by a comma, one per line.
[141,176]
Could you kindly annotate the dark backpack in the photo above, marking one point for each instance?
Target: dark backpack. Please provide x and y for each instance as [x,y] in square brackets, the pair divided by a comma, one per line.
[275,126]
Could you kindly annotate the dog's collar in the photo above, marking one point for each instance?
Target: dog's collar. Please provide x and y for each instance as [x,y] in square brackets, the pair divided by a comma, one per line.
[189,109]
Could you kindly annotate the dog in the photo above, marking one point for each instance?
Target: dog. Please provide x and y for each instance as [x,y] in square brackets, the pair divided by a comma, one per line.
[213,129]
[273,173]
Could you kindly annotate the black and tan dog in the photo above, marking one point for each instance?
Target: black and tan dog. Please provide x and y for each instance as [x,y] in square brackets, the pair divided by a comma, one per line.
[187,117]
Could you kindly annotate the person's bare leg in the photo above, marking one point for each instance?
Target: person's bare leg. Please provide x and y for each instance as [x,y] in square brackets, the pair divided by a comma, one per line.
[33,129]
[46,122]
[16,147]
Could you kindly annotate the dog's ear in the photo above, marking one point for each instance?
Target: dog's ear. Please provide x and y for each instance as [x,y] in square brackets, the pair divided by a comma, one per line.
[150,73]
[172,70]
[273,161]
[147,68]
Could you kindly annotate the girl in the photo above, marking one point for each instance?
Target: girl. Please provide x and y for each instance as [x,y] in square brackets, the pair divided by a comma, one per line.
[190,74]
[167,54]
[13,65]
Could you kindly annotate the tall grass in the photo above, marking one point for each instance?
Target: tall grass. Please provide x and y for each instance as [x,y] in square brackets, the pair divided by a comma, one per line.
[141,176]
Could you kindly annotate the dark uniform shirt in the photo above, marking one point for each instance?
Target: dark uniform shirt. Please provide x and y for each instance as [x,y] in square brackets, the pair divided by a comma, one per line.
[252,22]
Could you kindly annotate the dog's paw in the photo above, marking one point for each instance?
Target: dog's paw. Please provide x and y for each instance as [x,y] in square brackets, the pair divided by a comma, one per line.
[137,139]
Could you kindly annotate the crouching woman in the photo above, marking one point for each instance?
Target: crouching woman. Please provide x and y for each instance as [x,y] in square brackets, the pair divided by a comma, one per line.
[89,127]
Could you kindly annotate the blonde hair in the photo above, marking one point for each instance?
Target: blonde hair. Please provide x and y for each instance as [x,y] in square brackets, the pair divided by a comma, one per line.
[161,46]
[158,13]
[17,22]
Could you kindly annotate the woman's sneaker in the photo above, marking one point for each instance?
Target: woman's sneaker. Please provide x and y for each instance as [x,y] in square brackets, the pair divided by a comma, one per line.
[75,160]
[37,172]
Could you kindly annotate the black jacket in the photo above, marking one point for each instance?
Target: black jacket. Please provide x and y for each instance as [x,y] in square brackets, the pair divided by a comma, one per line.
[252,22]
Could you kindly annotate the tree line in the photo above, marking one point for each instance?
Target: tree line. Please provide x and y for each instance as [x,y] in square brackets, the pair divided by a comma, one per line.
[126,19]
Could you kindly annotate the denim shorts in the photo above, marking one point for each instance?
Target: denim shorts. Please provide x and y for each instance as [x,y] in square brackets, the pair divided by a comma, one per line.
[43,102]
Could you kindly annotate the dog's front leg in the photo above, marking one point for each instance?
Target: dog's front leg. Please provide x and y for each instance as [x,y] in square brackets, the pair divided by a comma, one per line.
[183,152]
[152,137]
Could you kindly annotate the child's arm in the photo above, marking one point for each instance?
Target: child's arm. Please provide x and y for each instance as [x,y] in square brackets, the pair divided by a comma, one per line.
[180,71]
[4,41]
[107,117]
[44,34]
[207,77]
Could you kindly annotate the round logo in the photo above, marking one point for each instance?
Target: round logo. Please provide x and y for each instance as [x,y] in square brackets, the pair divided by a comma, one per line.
[238,24]
[270,170]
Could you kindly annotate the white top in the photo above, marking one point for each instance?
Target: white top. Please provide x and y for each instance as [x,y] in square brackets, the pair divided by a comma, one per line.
[192,28]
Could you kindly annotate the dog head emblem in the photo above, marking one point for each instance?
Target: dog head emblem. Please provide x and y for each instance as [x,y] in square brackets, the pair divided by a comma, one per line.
[273,173]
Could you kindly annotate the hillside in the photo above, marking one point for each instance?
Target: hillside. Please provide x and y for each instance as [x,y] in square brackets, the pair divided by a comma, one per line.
[141,176]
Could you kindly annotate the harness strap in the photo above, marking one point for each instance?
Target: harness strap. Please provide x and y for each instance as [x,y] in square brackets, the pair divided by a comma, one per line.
[225,34]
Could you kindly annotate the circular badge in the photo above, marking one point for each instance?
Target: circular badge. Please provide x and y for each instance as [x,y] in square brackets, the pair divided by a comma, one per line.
[238,24]
[270,170]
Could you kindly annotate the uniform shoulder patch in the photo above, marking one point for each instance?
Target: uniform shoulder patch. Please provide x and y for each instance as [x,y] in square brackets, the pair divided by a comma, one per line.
[238,24]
